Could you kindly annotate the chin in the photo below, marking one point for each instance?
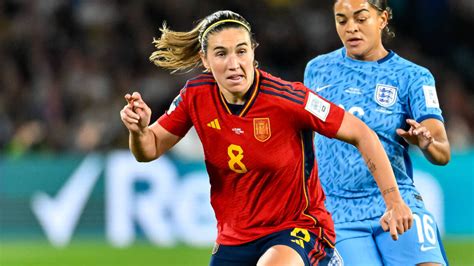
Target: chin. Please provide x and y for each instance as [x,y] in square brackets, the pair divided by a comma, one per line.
[237,88]
[356,53]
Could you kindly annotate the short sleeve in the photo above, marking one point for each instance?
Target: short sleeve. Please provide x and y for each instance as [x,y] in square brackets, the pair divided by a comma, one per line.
[423,99]
[319,114]
[176,119]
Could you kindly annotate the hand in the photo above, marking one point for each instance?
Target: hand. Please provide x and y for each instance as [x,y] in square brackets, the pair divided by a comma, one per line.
[417,134]
[397,219]
[135,114]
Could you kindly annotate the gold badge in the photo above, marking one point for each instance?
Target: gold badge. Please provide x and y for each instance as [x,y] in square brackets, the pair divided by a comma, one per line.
[261,129]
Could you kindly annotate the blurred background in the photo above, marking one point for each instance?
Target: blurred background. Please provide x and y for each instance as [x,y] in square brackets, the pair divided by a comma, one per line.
[69,188]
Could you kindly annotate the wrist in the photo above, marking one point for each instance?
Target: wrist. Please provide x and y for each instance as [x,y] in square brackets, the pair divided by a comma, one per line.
[391,196]
[425,147]
[140,133]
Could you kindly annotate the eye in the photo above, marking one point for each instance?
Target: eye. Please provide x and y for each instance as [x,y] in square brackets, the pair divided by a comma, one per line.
[242,51]
[361,20]
[341,21]
[219,54]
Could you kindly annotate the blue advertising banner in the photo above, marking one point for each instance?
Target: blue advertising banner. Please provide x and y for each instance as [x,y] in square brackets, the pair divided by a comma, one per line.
[112,196]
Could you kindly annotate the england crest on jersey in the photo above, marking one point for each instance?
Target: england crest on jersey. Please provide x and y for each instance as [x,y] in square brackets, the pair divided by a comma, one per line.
[385,95]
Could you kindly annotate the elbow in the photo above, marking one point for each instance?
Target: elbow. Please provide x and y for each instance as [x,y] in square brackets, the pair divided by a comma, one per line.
[443,163]
[363,134]
[442,156]
[366,133]
[444,160]
[142,158]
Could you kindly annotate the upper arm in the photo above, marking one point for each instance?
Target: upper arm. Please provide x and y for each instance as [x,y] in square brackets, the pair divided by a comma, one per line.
[317,113]
[422,97]
[352,129]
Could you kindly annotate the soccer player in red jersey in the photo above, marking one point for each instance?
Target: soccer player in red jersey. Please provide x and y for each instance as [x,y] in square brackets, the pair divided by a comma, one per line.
[257,134]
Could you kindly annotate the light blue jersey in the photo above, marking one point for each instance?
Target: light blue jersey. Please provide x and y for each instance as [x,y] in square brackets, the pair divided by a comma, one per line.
[383,94]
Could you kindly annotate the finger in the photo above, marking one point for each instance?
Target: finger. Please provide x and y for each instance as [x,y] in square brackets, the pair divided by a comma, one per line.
[130,113]
[129,117]
[406,224]
[427,134]
[140,112]
[384,224]
[126,118]
[139,104]
[130,120]
[420,130]
[136,96]
[129,100]
[410,222]
[400,227]
[413,123]
[401,132]
[393,230]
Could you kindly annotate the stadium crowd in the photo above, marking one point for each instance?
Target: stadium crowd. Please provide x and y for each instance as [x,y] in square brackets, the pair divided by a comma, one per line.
[65,65]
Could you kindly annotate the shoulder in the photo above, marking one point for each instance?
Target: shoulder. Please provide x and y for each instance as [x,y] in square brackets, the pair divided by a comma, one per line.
[200,80]
[408,68]
[286,91]
[198,83]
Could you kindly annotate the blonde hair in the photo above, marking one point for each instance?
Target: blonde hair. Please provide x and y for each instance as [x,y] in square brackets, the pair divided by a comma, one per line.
[179,51]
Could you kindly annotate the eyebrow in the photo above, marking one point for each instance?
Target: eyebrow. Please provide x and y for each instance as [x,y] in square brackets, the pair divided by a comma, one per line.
[222,47]
[355,13]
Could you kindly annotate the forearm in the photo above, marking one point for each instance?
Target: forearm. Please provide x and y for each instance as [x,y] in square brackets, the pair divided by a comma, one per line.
[143,145]
[437,152]
[379,166]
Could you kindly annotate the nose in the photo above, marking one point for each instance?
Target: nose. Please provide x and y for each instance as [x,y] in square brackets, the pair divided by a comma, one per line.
[351,26]
[233,62]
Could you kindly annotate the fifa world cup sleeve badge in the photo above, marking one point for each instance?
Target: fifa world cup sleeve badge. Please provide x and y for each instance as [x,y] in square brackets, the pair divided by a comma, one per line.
[261,129]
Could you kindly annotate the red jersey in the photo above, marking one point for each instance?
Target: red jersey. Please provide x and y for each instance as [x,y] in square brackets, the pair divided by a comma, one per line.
[260,161]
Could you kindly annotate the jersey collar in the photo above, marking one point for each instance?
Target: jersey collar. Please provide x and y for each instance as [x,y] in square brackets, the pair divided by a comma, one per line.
[380,61]
[251,95]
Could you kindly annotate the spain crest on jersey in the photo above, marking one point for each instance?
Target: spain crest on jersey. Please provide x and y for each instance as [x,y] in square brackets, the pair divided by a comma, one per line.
[385,95]
[261,129]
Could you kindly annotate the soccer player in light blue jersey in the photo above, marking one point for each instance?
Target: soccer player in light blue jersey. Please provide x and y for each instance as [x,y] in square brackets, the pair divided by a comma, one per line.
[397,99]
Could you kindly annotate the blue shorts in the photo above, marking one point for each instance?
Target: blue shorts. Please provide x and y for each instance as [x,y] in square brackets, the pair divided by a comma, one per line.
[310,248]
[419,244]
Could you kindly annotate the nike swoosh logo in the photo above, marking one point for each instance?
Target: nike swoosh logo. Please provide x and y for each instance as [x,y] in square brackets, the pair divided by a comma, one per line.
[322,88]
[59,215]
[423,248]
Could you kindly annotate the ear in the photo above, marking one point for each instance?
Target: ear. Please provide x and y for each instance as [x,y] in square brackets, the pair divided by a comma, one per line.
[204,61]
[383,19]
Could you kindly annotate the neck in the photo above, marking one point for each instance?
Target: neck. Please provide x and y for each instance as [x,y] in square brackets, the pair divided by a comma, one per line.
[373,55]
[236,97]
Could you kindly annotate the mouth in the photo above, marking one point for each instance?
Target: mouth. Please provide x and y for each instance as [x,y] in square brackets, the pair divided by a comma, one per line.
[354,41]
[236,78]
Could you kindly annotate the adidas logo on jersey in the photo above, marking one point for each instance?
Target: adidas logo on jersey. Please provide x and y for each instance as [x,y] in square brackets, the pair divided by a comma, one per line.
[214,124]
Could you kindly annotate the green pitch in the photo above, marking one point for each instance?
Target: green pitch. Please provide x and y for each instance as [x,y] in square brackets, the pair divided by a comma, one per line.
[96,253]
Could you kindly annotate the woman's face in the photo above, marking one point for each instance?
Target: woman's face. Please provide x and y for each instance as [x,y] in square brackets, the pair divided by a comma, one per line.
[230,58]
[359,27]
